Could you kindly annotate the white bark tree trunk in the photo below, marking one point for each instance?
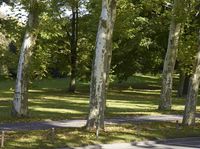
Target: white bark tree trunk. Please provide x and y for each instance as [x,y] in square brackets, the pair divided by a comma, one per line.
[20,102]
[100,65]
[190,106]
[170,59]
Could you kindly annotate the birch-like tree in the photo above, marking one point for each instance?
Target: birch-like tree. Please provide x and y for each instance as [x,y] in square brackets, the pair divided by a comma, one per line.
[20,102]
[170,57]
[101,65]
[190,106]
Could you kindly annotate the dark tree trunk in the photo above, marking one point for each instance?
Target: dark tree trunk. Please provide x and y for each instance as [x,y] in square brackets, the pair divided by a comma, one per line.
[190,106]
[73,43]
[181,84]
[186,86]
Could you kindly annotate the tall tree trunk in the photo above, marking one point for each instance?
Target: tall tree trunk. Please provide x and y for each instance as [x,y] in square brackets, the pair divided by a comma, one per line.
[186,85]
[190,106]
[170,59]
[112,15]
[73,43]
[20,102]
[181,84]
[100,66]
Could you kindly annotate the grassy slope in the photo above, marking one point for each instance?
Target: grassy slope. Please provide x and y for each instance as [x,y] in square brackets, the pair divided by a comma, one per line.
[49,100]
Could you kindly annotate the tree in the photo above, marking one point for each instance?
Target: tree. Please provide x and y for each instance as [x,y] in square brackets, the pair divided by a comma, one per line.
[185,59]
[139,44]
[20,102]
[183,84]
[73,46]
[170,58]
[190,106]
[101,65]
[187,47]
[109,41]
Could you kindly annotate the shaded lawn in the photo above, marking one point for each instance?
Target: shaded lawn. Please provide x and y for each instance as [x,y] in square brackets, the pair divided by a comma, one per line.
[113,133]
[49,100]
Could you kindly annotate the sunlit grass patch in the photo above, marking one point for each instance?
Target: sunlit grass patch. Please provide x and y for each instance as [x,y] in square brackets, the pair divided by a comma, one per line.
[56,110]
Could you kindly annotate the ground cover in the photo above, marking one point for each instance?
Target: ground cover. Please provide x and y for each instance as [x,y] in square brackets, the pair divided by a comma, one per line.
[49,100]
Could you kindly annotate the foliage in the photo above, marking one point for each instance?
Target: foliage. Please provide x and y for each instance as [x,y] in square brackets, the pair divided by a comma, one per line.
[139,41]
[188,45]
[10,36]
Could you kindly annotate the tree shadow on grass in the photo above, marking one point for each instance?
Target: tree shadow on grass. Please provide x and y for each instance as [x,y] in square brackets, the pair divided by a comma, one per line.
[54,100]
[57,104]
[116,133]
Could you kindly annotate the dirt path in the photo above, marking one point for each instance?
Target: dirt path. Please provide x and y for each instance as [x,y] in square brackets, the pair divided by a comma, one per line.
[81,123]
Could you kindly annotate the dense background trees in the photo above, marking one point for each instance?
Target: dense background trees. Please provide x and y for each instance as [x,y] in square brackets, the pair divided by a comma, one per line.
[65,44]
[137,35]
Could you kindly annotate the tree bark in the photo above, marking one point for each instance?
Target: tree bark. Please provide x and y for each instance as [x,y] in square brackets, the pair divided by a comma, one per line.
[20,102]
[186,85]
[181,84]
[170,60]
[190,106]
[73,43]
[100,66]
[184,79]
[109,39]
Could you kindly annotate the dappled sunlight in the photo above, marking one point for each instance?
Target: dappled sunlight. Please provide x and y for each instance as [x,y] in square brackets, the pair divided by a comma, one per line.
[27,139]
[134,113]
[148,76]
[49,100]
[3,106]
[7,92]
[73,137]
[5,99]
[48,104]
[59,101]
[36,91]
[130,106]
[178,107]
[56,110]
[146,92]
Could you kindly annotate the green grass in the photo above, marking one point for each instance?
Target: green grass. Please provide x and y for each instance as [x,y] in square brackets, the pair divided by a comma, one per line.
[49,100]
[113,133]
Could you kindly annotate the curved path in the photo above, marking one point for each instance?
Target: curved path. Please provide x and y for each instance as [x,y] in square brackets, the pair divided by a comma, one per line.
[81,123]
[180,143]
